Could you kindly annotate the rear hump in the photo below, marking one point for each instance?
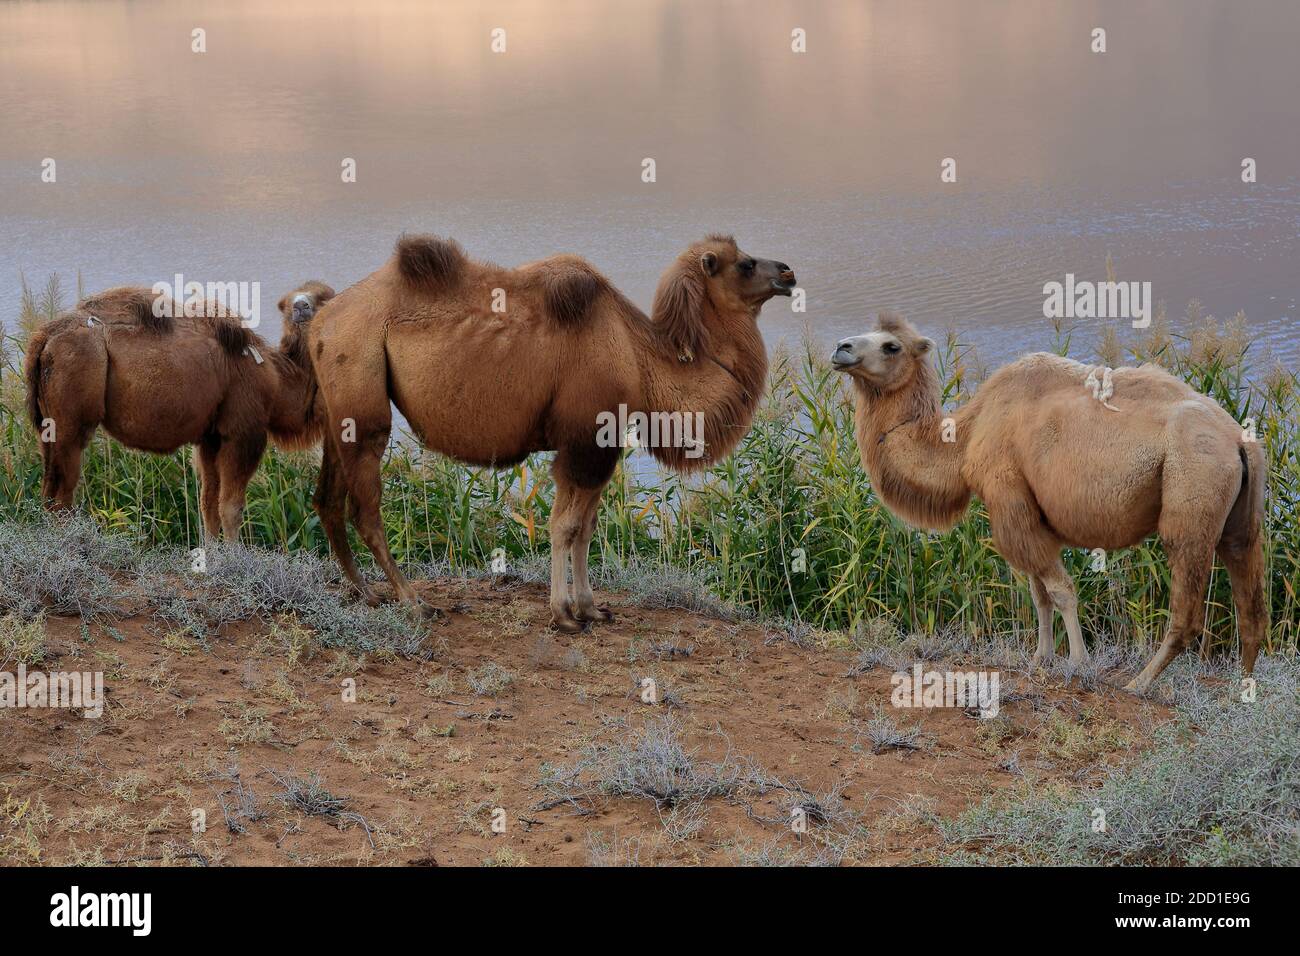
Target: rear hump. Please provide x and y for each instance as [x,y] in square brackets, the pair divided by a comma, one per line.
[132,305]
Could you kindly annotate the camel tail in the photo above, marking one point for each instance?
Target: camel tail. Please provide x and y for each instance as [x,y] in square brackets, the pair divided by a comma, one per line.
[32,375]
[1241,547]
[1246,519]
[428,262]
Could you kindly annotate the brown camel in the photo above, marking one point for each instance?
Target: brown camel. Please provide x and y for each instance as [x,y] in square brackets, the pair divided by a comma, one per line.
[1068,455]
[489,365]
[157,382]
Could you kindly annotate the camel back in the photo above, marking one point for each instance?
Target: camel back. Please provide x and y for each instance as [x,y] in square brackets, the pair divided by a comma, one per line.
[136,305]
[569,286]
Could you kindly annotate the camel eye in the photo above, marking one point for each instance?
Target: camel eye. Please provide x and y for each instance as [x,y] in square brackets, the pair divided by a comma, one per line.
[747,266]
[892,348]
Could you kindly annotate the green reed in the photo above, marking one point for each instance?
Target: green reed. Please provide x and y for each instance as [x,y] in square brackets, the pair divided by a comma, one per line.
[787,526]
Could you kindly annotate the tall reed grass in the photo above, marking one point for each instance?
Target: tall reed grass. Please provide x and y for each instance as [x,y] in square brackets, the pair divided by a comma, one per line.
[788,526]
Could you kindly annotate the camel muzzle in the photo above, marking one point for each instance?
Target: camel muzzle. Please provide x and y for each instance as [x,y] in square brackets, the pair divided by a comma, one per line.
[843,358]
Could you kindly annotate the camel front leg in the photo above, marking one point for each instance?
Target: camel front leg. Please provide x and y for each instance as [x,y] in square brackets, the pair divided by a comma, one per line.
[565,526]
[364,482]
[205,460]
[1061,590]
[331,501]
[1046,621]
[584,602]
[236,462]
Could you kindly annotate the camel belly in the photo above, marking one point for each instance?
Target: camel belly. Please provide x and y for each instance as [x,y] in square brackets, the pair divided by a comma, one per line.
[1098,485]
[484,414]
[159,405]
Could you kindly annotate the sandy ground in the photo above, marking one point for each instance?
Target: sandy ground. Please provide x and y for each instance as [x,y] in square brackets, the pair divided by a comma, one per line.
[420,762]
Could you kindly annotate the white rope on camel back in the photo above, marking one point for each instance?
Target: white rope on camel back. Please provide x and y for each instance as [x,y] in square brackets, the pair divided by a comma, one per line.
[1102,388]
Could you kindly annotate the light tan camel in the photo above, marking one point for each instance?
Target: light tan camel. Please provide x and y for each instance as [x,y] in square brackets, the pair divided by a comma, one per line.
[1067,455]
[156,382]
[489,365]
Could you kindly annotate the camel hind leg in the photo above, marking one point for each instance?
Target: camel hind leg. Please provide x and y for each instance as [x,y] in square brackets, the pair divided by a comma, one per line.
[1189,572]
[1241,548]
[1246,572]
[1200,495]
[331,501]
[63,470]
[71,381]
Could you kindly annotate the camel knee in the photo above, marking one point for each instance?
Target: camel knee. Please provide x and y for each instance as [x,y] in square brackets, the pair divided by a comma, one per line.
[232,514]
[1063,598]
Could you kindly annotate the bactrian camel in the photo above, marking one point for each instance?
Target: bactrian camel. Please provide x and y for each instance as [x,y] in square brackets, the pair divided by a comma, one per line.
[156,378]
[490,364]
[1066,455]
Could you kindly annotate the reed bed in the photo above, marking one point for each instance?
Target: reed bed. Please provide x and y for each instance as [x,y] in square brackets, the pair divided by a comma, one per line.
[787,527]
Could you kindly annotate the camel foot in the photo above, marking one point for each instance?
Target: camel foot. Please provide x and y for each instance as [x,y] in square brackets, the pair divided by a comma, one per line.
[600,615]
[428,612]
[1038,661]
[1135,687]
[566,621]
[1079,661]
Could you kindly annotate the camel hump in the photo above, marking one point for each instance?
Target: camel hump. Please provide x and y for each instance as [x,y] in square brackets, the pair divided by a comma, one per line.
[232,336]
[570,288]
[429,263]
[130,303]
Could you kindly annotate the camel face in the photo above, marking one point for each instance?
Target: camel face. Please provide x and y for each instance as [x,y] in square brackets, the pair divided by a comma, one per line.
[736,279]
[881,359]
[885,359]
[302,304]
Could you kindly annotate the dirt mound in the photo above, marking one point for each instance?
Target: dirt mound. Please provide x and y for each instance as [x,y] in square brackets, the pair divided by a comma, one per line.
[666,737]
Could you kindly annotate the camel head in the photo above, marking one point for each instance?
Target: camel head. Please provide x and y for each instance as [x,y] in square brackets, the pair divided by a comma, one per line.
[714,272]
[887,359]
[301,305]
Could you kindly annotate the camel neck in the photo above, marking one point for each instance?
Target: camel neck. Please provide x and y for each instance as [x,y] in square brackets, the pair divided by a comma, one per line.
[722,383]
[295,389]
[912,453]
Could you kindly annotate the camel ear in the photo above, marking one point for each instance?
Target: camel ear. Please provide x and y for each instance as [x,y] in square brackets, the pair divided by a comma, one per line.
[924,345]
[709,263]
[281,304]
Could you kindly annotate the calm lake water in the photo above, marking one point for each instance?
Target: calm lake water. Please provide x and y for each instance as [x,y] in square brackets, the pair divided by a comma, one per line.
[225,165]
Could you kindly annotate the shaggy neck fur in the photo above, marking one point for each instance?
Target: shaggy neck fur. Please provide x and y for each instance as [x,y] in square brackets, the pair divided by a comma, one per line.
[722,376]
[915,472]
[294,424]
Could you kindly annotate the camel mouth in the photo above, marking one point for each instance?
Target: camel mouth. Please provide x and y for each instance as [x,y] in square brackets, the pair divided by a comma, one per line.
[842,360]
[783,285]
